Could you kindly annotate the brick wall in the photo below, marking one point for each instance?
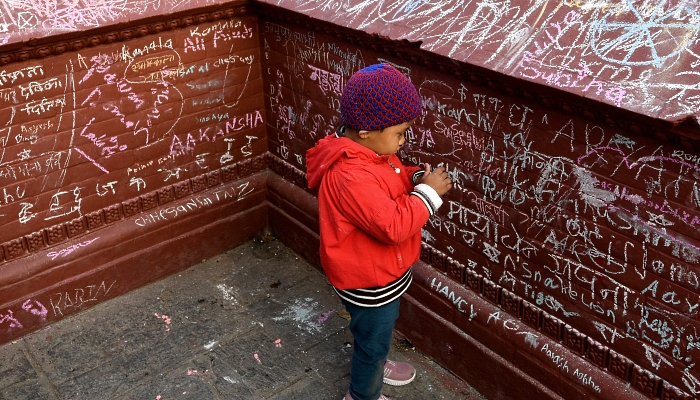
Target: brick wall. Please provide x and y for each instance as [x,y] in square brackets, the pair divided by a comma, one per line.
[568,248]
[125,155]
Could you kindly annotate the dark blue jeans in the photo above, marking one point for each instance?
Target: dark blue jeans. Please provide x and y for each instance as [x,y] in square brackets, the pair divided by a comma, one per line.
[371,329]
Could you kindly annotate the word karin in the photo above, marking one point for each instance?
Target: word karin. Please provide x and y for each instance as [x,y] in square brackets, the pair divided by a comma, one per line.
[77,297]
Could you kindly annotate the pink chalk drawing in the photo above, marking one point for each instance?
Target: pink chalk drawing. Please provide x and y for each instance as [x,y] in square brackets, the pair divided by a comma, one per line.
[278,343]
[70,249]
[13,322]
[323,317]
[35,308]
[152,105]
[191,372]
[103,169]
[166,319]
[257,358]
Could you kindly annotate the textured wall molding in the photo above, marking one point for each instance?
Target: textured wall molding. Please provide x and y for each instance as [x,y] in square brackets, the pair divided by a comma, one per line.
[588,350]
[36,241]
[114,261]
[685,134]
[56,45]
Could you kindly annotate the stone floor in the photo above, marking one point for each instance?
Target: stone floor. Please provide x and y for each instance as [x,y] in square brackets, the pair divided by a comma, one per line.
[256,322]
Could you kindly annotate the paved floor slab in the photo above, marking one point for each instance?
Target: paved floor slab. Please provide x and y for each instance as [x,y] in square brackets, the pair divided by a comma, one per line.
[256,322]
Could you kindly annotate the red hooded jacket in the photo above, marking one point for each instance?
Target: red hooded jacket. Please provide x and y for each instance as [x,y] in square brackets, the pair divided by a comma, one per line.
[369,224]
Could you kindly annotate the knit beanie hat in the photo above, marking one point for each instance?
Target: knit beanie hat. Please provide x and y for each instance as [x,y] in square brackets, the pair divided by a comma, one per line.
[377,97]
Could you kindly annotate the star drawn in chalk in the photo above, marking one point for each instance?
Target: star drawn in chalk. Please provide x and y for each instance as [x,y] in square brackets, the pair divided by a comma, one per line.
[491,252]
[26,20]
[643,37]
[24,154]
[658,219]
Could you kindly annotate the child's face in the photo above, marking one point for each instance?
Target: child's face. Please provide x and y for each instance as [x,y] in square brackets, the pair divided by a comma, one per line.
[386,141]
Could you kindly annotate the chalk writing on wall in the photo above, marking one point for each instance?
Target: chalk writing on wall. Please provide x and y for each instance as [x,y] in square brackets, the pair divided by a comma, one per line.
[592,224]
[624,53]
[70,249]
[234,192]
[19,20]
[99,126]
[59,302]
[78,297]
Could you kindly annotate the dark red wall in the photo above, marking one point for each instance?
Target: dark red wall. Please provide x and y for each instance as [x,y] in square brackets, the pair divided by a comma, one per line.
[127,154]
[565,257]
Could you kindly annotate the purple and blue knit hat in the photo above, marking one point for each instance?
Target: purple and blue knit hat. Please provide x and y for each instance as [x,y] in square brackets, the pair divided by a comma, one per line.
[377,97]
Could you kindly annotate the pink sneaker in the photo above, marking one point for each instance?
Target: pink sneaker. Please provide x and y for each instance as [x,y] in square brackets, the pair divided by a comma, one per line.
[398,373]
[348,397]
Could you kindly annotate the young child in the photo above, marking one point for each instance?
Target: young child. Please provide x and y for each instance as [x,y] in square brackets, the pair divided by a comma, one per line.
[371,211]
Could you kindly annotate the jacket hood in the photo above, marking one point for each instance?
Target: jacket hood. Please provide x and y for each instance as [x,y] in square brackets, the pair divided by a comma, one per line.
[327,151]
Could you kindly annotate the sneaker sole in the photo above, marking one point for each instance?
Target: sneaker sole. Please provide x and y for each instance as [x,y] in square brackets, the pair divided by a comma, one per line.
[399,383]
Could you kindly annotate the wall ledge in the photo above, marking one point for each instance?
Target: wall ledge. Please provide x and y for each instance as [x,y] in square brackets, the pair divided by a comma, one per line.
[505,330]
[54,45]
[515,340]
[74,229]
[134,251]
[684,133]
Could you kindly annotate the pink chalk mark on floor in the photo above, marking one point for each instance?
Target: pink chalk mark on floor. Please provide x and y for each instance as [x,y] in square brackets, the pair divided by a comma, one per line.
[278,343]
[166,319]
[191,372]
[257,357]
[324,316]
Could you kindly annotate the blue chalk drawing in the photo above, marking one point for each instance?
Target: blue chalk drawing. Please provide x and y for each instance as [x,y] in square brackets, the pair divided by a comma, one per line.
[408,8]
[619,42]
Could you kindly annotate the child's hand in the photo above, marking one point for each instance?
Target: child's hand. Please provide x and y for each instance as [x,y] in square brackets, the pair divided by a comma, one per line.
[437,179]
